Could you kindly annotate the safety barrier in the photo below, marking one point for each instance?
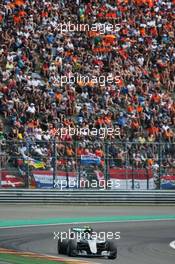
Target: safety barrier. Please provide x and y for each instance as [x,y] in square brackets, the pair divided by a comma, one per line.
[86,196]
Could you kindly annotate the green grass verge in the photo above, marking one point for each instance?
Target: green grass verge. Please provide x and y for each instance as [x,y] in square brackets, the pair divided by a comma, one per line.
[14,259]
[76,220]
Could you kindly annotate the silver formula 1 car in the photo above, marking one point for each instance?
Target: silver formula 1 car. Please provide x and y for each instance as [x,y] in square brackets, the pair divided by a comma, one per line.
[82,243]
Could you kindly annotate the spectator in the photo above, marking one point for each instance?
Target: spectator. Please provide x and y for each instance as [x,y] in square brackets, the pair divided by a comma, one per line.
[139,55]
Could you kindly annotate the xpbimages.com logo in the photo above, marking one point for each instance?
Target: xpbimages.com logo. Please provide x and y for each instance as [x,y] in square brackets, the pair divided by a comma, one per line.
[101,133]
[101,28]
[102,236]
[96,80]
[85,183]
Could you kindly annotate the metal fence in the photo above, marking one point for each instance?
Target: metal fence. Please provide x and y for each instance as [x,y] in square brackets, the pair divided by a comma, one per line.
[52,196]
[98,165]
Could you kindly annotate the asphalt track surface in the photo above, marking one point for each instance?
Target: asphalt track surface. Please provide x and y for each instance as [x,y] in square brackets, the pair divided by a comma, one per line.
[145,242]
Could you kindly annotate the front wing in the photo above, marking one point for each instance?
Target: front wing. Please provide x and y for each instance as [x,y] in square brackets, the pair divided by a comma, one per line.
[87,254]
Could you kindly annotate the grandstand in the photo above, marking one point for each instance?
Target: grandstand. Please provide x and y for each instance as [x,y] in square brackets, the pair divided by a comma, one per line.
[126,59]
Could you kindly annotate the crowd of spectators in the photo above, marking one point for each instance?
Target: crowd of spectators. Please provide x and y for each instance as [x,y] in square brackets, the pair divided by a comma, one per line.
[34,55]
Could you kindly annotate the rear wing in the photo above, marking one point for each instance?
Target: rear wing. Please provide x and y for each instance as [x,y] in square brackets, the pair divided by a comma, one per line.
[81,230]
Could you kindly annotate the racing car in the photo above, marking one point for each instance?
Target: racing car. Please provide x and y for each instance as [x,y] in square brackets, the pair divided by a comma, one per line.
[82,243]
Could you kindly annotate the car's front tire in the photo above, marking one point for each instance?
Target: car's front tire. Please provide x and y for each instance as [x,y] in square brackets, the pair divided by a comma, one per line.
[112,249]
[72,248]
[62,246]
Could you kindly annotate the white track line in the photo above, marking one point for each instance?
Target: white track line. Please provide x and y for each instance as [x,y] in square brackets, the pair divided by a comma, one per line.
[172,244]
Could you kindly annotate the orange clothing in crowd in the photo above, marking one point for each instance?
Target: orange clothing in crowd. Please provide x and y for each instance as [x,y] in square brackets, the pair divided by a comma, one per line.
[102,50]
[93,34]
[168,134]
[109,39]
[80,151]
[139,109]
[99,153]
[32,124]
[150,162]
[156,98]
[100,15]
[90,84]
[22,13]
[149,2]
[153,130]
[100,121]
[1,18]
[11,5]
[19,2]
[69,151]
[142,32]
[44,14]
[107,120]
[66,122]
[17,19]
[68,53]
[53,131]
[153,31]
[168,26]
[123,53]
[74,59]
[122,1]
[119,82]
[15,3]
[135,124]
[58,97]
[130,108]
[111,15]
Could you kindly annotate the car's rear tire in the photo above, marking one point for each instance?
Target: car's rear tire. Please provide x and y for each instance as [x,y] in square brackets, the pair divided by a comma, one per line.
[72,248]
[62,246]
[112,249]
